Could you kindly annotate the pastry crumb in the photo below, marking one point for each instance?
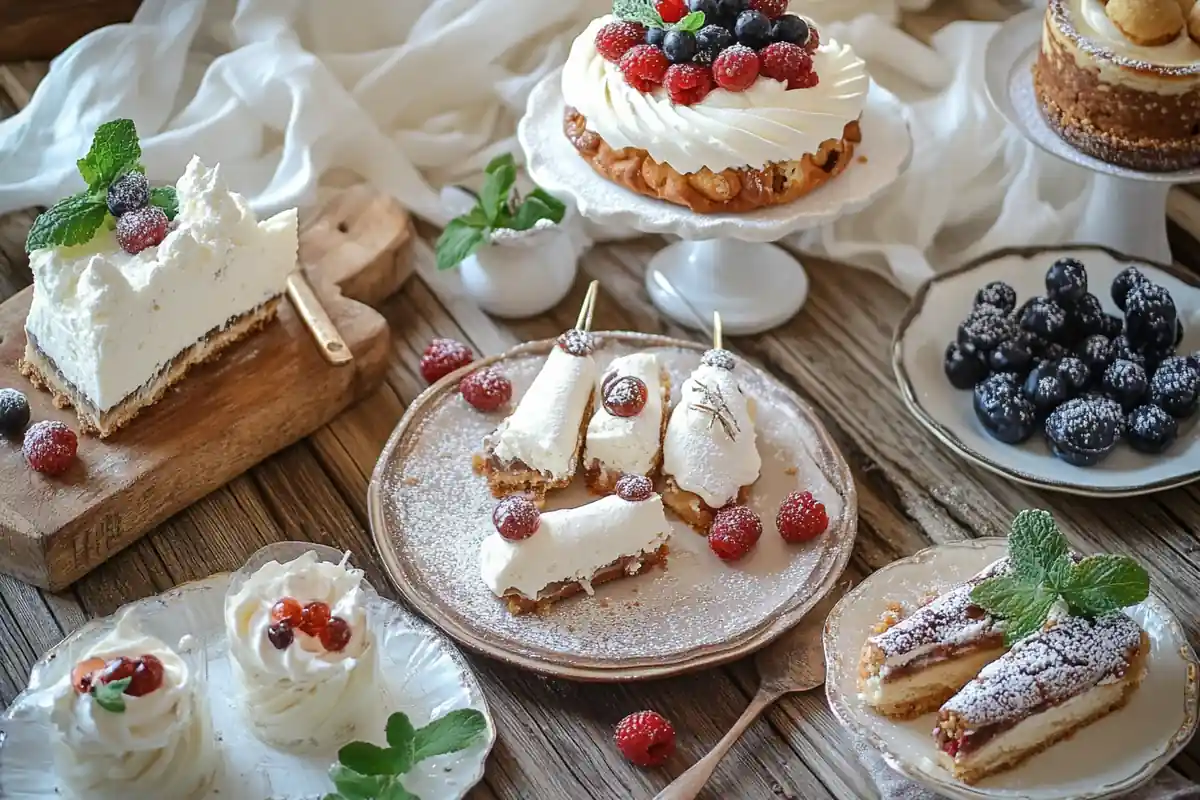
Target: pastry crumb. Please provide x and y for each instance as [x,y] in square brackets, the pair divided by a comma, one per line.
[892,614]
[791,471]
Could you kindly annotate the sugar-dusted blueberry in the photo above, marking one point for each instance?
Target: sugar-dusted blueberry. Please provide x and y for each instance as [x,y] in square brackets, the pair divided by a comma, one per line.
[1066,281]
[1003,409]
[679,46]
[1123,348]
[1126,382]
[14,412]
[753,29]
[1113,326]
[1044,317]
[1150,316]
[964,366]
[1075,374]
[128,193]
[1011,356]
[1174,388]
[1045,390]
[655,36]
[997,294]
[731,8]
[1150,429]
[1096,352]
[1086,317]
[1084,431]
[983,329]
[710,41]
[790,28]
[1125,281]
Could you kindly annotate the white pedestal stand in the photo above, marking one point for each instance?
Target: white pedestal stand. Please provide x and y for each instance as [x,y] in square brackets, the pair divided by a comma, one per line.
[725,262]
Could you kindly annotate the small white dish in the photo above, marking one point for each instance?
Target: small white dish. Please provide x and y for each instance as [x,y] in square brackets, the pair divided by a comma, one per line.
[1106,759]
[931,323]
[423,675]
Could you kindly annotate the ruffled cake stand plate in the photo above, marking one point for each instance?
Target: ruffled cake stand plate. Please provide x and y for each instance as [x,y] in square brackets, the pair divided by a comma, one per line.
[423,675]
[725,262]
[430,511]
[1109,758]
[1127,208]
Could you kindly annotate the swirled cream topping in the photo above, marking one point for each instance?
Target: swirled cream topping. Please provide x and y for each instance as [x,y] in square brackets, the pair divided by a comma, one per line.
[1094,23]
[160,746]
[303,695]
[762,125]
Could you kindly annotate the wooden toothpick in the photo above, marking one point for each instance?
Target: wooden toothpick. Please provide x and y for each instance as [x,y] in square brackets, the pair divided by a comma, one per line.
[716,330]
[584,322]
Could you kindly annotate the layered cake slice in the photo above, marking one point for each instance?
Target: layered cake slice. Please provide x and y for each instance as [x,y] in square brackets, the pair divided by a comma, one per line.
[533,560]
[1050,685]
[626,431]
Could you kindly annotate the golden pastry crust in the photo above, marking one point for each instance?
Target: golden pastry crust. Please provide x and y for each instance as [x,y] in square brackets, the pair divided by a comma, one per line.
[1147,23]
[705,192]
[1193,22]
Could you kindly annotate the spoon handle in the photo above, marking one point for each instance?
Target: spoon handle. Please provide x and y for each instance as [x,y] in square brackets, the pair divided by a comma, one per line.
[689,784]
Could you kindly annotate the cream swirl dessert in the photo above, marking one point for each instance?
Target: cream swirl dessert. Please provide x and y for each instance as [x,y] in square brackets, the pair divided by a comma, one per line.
[625,433]
[156,740]
[305,659]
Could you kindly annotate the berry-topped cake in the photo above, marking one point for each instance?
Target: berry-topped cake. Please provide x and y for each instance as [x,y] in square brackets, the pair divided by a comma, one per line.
[717,105]
[1120,80]
[626,432]
[134,285]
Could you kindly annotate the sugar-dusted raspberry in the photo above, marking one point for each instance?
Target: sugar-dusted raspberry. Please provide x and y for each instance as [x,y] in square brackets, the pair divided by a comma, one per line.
[336,635]
[645,738]
[142,228]
[486,389]
[50,447]
[773,9]
[442,357]
[734,532]
[736,68]
[814,39]
[615,39]
[671,10]
[14,412]
[721,359]
[634,488]
[625,396]
[516,518]
[644,67]
[688,83]
[315,618]
[147,676]
[577,343]
[801,517]
[789,63]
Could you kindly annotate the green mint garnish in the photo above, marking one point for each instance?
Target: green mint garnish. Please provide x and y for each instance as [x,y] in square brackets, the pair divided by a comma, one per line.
[691,23]
[68,222]
[498,206]
[643,12]
[165,198]
[111,696]
[115,151]
[1044,571]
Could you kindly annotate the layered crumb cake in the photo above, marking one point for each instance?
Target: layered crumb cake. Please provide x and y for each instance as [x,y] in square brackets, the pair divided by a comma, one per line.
[1120,81]
[727,108]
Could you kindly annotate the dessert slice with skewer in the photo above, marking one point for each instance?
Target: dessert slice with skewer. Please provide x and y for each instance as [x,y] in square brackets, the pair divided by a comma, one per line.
[626,431]
[537,447]
[710,456]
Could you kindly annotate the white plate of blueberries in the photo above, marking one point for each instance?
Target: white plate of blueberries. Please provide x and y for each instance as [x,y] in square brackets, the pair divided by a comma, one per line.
[1073,368]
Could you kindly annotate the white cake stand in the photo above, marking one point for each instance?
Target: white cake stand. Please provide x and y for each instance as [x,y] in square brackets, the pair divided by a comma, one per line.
[725,262]
[1127,209]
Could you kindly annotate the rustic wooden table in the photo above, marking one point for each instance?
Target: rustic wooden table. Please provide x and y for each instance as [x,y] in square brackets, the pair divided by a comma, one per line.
[556,737]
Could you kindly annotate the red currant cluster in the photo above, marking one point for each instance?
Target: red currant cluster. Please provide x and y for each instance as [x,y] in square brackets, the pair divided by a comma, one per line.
[313,619]
[145,674]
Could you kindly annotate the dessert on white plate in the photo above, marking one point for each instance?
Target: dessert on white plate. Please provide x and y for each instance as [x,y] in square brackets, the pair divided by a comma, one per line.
[625,434]
[304,657]
[176,276]
[130,720]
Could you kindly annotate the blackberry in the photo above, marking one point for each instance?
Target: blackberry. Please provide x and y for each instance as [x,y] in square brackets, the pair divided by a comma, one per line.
[679,46]
[1113,326]
[655,36]
[1084,431]
[1012,356]
[128,193]
[1053,351]
[1174,388]
[14,412]
[1123,348]
[1074,373]
[1003,410]
[997,294]
[753,29]
[1096,352]
[790,28]
[710,41]
[1194,361]
[1150,317]
[984,331]
[1150,429]
[1045,390]
[1126,382]
[1086,317]
[1155,356]
[731,8]
[1125,281]
[1066,281]
[964,366]
[1045,318]
[1178,332]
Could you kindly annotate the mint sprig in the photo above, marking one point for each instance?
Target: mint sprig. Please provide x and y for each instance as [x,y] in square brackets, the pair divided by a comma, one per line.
[498,206]
[644,12]
[1044,571]
[115,151]
[367,771]
[111,696]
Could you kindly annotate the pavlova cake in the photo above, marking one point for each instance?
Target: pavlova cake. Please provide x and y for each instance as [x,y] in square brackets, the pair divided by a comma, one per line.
[135,285]
[717,105]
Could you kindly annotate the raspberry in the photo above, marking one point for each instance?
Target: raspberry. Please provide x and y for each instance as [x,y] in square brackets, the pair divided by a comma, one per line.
[624,397]
[736,68]
[615,39]
[577,343]
[145,227]
[773,9]
[147,676]
[787,62]
[734,532]
[645,738]
[50,447]
[801,518]
[442,357]
[634,488]
[671,10]
[688,83]
[814,39]
[644,67]
[486,389]
[516,518]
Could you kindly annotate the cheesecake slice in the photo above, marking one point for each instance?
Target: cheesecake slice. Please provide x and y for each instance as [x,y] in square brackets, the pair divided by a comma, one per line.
[1050,685]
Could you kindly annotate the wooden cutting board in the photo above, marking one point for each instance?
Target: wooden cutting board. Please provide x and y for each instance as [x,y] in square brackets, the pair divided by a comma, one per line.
[263,394]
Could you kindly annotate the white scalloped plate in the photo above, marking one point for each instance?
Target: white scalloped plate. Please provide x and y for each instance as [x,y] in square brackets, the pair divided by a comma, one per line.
[1108,758]
[425,676]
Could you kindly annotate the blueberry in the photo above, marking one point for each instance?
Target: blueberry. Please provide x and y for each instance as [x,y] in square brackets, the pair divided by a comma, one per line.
[997,294]
[1150,429]
[1086,317]
[128,193]
[1084,431]
[1096,352]
[1003,410]
[1126,382]
[964,366]
[731,8]
[655,36]
[984,331]
[1125,281]
[753,29]
[1123,348]
[14,412]
[1011,355]
[1045,390]
[1174,388]
[710,8]
[790,28]
[1113,326]
[1074,373]
[1066,281]
[679,46]
[710,41]
[1045,318]
[1150,316]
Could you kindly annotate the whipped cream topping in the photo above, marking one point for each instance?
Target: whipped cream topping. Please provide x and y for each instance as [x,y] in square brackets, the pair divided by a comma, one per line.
[162,744]
[573,544]
[543,430]
[698,451]
[726,130]
[628,444]
[303,695]
[1092,22]
[110,321]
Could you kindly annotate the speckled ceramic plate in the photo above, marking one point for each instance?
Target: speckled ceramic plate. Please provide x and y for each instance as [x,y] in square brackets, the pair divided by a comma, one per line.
[430,511]
[425,676]
[1106,759]
[932,322]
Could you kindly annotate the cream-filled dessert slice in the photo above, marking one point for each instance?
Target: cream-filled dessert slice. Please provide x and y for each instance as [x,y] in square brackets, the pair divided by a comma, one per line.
[109,331]
[153,738]
[626,431]
[710,453]
[1070,674]
[304,657]
[534,559]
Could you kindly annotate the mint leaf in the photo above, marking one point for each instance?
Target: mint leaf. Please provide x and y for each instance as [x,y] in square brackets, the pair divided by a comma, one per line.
[640,11]
[396,791]
[400,731]
[353,786]
[111,696]
[497,188]
[1106,583]
[558,209]
[1006,597]
[502,160]
[68,222]
[115,151]
[368,759]
[1034,543]
[1030,620]
[691,23]
[165,198]
[533,209]
[453,732]
[458,241]
[1061,573]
